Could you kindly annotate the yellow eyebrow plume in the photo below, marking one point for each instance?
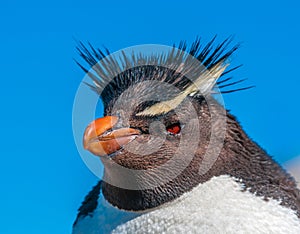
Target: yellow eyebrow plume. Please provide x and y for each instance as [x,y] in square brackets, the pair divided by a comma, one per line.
[203,84]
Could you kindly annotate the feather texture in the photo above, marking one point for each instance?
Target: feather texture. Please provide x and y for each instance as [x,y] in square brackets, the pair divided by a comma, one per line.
[111,74]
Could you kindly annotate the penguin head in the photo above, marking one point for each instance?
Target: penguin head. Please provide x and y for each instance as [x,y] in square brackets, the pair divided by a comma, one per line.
[163,132]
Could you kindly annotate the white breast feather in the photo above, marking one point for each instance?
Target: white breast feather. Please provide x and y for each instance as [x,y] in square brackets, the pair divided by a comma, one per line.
[217,206]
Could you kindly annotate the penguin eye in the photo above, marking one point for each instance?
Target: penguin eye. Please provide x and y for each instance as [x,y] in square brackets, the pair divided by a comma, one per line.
[174,128]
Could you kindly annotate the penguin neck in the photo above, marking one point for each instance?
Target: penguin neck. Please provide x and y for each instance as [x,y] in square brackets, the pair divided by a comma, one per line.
[256,170]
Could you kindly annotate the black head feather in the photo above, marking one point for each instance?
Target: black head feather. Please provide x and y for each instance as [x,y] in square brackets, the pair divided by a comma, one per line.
[111,75]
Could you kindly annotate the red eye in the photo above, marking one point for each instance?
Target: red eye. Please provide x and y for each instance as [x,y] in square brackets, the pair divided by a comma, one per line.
[174,128]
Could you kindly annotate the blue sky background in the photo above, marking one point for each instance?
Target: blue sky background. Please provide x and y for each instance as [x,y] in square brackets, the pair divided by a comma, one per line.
[43,179]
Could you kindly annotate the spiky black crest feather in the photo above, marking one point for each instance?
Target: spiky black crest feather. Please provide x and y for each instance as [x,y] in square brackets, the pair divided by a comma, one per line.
[111,75]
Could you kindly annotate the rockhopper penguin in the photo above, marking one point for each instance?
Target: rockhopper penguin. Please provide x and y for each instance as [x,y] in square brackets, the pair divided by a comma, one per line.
[175,161]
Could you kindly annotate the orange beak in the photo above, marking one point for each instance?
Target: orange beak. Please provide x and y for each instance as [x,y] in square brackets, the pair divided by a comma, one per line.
[101,140]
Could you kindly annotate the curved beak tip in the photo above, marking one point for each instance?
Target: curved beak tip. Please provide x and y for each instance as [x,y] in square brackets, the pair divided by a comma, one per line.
[101,142]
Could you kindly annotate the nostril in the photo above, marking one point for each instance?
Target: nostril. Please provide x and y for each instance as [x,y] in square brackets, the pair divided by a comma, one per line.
[143,130]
